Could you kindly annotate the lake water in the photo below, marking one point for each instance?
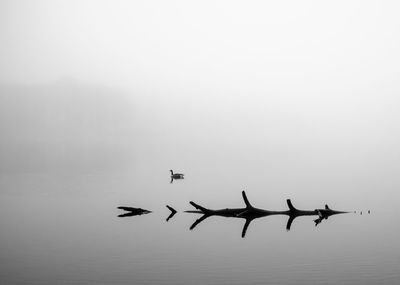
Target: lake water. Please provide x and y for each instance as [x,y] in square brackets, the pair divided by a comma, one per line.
[63,229]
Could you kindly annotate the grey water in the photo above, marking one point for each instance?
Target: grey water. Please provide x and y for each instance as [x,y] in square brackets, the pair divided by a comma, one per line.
[64,172]
[65,230]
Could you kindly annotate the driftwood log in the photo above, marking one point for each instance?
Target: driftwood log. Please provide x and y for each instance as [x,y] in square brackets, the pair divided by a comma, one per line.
[249,213]
[130,211]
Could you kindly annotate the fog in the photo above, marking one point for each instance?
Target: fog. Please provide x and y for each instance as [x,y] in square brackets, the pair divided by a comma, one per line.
[227,47]
[299,85]
[289,99]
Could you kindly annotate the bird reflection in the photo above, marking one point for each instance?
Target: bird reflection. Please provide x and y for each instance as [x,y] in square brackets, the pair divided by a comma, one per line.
[132,212]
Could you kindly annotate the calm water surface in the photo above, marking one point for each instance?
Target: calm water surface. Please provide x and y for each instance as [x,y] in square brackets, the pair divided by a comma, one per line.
[62,228]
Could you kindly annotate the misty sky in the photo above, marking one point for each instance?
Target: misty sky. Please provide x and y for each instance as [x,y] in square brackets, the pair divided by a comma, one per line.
[297,84]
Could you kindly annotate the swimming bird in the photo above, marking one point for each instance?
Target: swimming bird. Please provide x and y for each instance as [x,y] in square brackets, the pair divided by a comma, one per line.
[176,176]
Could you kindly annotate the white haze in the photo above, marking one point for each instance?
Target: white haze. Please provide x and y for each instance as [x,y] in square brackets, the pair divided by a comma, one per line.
[285,99]
[307,87]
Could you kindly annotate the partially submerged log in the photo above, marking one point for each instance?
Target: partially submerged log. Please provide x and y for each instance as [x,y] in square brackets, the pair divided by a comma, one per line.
[130,211]
[324,214]
[249,213]
[293,213]
[173,212]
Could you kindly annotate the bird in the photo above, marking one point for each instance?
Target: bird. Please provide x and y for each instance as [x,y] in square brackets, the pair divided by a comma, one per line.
[176,176]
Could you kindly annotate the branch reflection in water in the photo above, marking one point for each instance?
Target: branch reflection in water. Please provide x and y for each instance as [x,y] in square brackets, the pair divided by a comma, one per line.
[248,213]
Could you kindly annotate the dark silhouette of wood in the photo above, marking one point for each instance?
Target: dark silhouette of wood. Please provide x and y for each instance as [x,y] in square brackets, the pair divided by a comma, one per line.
[249,213]
[173,212]
[294,213]
[324,214]
[198,221]
[130,211]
